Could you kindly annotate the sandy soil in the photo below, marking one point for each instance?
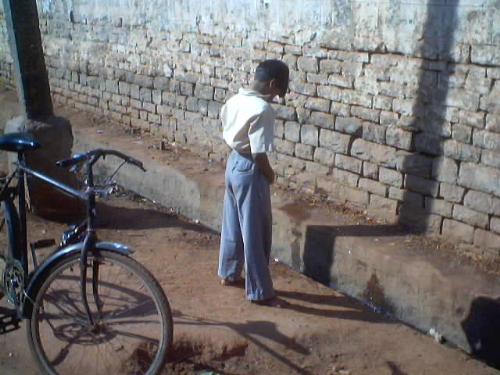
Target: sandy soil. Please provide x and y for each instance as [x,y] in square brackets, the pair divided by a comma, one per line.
[216,329]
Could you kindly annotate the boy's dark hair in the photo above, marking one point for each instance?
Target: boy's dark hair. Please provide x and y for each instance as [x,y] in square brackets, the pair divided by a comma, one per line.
[272,69]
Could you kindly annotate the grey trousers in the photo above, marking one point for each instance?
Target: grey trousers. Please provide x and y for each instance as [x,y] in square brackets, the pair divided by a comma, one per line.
[246,227]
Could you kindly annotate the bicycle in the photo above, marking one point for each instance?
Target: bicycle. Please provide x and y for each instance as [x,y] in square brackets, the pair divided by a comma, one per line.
[89,301]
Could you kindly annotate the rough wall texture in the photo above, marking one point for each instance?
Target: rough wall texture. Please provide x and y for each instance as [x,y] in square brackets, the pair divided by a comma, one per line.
[394,105]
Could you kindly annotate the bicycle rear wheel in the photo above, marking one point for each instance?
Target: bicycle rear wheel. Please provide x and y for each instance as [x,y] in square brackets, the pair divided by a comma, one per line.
[134,326]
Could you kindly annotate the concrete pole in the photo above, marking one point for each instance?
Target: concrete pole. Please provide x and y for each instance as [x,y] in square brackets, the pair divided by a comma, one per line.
[29,64]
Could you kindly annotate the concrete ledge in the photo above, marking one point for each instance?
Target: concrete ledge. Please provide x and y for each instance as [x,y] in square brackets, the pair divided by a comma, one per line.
[397,273]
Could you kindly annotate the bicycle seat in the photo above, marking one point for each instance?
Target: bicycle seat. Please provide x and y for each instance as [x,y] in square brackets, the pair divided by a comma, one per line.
[18,142]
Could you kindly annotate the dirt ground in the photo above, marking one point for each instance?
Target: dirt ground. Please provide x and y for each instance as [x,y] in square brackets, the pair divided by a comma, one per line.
[218,331]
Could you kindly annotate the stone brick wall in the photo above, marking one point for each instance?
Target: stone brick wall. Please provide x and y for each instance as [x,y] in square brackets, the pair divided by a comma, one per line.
[394,106]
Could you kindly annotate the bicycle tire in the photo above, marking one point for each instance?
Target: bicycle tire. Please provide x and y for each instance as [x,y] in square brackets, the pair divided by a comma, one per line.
[53,352]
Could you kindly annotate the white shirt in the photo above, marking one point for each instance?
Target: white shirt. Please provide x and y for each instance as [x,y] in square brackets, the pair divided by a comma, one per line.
[248,123]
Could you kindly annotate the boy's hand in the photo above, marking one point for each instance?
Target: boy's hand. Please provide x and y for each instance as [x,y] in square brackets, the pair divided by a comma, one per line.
[263,164]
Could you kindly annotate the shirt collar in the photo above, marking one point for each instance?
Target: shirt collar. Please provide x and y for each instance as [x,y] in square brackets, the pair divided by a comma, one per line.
[250,92]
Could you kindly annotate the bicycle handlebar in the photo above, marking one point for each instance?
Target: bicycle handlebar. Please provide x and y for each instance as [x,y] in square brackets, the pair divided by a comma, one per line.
[94,155]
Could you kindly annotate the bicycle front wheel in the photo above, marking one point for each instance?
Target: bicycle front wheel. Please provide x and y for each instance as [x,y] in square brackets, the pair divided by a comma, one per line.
[133,322]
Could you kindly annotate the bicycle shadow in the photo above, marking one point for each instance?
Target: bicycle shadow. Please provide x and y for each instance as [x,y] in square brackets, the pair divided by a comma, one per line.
[118,217]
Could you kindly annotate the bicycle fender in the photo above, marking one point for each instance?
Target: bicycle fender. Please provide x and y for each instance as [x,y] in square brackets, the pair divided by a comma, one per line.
[13,229]
[45,268]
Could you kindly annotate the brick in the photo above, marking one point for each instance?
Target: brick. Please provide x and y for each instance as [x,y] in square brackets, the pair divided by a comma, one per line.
[382,102]
[379,154]
[124,88]
[485,55]
[284,146]
[143,81]
[438,206]
[303,88]
[495,225]
[373,132]
[112,86]
[457,230]
[469,216]
[214,109]
[474,119]
[445,170]
[460,151]
[462,99]
[220,94]
[334,141]
[493,122]
[349,125]
[422,185]
[186,88]
[344,177]
[343,193]
[382,207]
[204,92]
[390,177]
[318,104]
[323,120]
[285,113]
[316,78]
[348,163]
[330,66]
[304,151]
[145,95]
[486,239]
[481,178]
[341,81]
[370,170]
[409,198]
[308,64]
[372,115]
[372,186]
[279,129]
[324,156]
[461,133]
[430,144]
[340,109]
[418,219]
[399,138]
[490,158]
[192,104]
[292,131]
[451,192]
[309,135]
[161,83]
[478,201]
[316,168]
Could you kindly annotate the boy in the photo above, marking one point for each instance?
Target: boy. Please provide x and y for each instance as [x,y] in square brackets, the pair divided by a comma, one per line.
[248,128]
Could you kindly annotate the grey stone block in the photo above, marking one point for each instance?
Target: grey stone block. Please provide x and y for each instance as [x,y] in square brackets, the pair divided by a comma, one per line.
[481,178]
[457,230]
[413,163]
[285,113]
[422,185]
[370,170]
[323,120]
[373,132]
[145,95]
[409,198]
[334,141]
[495,224]
[303,88]
[341,81]
[478,201]
[461,133]
[349,125]
[372,115]
[390,177]
[490,158]
[204,92]
[308,64]
[445,170]
[340,109]
[318,104]
[304,151]
[451,192]
[439,207]
[493,122]
[324,156]
[487,240]
[309,135]
[330,66]
[186,88]
[348,163]
[461,151]
[399,138]
[292,131]
[372,186]
[379,154]
[469,216]
[382,208]
[344,177]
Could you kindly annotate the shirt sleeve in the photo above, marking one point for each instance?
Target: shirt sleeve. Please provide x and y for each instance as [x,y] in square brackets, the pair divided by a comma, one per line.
[261,132]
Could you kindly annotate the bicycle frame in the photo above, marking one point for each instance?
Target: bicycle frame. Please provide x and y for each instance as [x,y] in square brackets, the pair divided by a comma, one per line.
[89,242]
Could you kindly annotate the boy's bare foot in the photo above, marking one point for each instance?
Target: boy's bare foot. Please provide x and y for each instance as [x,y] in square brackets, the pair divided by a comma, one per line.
[229,282]
[271,302]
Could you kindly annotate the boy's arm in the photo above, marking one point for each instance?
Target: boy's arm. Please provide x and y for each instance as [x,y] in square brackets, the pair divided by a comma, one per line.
[263,163]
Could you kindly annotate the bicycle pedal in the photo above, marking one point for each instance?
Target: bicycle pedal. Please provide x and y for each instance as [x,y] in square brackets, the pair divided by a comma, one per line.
[40,244]
[9,322]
